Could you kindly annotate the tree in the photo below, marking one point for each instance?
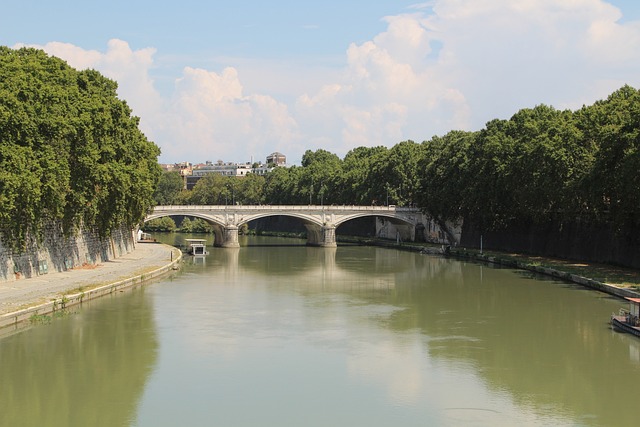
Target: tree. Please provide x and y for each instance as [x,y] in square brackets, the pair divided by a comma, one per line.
[251,189]
[198,225]
[169,187]
[211,189]
[358,180]
[282,186]
[396,174]
[164,224]
[548,159]
[320,177]
[445,175]
[70,150]
[611,189]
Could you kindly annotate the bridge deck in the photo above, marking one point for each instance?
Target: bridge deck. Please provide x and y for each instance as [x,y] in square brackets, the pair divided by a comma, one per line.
[336,208]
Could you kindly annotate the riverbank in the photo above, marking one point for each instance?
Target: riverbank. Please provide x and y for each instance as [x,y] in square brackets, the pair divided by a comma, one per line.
[42,295]
[618,281]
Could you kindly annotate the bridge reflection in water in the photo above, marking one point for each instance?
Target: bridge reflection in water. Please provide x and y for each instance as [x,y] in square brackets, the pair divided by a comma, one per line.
[320,221]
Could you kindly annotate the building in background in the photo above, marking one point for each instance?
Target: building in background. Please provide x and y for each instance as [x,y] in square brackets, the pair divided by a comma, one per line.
[276,159]
[193,173]
[221,168]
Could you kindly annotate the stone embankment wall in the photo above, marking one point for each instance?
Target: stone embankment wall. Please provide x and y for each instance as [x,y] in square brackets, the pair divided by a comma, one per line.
[60,253]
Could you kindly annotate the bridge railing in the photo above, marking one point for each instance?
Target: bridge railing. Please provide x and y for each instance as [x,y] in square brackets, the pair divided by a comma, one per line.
[340,208]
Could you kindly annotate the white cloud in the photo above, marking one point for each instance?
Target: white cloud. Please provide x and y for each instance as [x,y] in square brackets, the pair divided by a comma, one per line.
[215,120]
[206,118]
[509,55]
[449,64]
[390,91]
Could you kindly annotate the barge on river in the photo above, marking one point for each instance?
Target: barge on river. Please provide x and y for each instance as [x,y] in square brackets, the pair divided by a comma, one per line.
[628,320]
[197,246]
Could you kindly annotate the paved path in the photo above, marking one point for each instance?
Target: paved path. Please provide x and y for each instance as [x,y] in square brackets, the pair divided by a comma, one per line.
[23,293]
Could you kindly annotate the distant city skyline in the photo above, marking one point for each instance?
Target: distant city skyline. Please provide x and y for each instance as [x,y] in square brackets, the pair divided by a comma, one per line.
[234,80]
[277,157]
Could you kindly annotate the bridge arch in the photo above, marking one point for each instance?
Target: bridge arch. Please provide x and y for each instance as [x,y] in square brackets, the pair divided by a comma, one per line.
[396,218]
[210,220]
[306,219]
[318,232]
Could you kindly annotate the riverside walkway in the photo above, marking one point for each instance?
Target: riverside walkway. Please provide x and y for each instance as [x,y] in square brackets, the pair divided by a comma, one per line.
[34,295]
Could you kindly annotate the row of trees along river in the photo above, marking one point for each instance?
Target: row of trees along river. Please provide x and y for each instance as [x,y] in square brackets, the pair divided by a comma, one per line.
[563,183]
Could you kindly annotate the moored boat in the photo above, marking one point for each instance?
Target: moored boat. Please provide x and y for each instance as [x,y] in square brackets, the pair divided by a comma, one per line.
[197,247]
[628,320]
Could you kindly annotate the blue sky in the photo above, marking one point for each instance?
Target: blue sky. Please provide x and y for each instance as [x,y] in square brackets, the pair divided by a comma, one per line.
[236,81]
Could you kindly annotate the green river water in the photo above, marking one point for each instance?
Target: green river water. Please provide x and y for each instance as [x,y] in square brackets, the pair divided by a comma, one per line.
[279,334]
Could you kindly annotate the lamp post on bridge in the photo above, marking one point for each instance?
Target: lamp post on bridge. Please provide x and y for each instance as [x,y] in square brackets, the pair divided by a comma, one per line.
[386,186]
[233,195]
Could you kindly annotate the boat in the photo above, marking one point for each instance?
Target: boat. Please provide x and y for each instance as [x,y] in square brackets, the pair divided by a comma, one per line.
[197,247]
[628,320]
[145,237]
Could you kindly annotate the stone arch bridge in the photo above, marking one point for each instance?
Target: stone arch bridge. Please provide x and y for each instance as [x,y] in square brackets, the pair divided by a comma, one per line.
[320,221]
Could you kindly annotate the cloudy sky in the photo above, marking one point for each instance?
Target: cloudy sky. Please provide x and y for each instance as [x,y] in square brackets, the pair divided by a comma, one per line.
[239,80]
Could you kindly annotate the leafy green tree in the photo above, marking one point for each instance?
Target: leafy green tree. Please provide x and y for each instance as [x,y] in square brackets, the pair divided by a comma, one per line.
[611,189]
[445,177]
[548,159]
[169,187]
[70,150]
[230,190]
[282,186]
[186,226]
[251,189]
[513,171]
[320,177]
[359,175]
[396,176]
[211,189]
[197,225]
[164,224]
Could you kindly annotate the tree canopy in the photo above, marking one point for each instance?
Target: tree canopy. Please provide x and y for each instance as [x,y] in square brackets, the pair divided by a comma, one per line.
[70,150]
[541,164]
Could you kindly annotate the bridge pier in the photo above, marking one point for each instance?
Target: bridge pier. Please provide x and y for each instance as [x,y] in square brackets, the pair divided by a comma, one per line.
[324,236]
[228,237]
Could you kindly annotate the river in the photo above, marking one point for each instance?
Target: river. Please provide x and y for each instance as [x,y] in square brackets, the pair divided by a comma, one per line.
[279,334]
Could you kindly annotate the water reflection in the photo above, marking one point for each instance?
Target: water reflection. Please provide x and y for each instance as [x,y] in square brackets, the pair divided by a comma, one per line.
[290,335]
[87,369]
[541,345]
